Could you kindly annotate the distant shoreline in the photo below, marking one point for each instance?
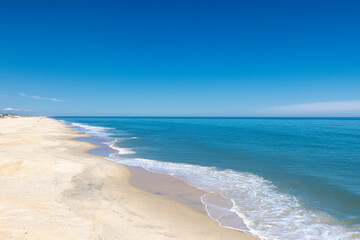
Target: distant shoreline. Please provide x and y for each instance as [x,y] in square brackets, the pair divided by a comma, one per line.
[206,117]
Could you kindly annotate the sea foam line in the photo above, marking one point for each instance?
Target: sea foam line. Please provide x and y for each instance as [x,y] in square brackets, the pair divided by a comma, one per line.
[120,150]
[266,212]
[93,130]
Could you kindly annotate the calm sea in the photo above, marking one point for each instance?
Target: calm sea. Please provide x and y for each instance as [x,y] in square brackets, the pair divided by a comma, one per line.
[287,178]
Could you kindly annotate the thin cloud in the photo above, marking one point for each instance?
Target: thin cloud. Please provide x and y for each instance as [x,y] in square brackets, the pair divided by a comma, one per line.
[3,95]
[16,109]
[40,98]
[11,109]
[342,108]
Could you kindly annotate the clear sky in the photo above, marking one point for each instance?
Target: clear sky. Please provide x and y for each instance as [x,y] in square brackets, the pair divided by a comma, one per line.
[180,58]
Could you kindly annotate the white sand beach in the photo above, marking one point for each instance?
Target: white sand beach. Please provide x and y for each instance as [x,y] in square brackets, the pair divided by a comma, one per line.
[51,188]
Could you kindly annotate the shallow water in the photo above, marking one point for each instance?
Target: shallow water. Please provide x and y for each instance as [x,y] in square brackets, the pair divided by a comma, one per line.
[286,178]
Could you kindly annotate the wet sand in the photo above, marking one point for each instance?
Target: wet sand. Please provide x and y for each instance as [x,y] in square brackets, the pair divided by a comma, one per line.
[167,186]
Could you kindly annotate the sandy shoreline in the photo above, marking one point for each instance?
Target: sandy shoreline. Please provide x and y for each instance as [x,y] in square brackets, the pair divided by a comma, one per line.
[52,189]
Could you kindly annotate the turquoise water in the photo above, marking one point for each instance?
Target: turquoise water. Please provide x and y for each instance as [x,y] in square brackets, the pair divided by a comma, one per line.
[288,178]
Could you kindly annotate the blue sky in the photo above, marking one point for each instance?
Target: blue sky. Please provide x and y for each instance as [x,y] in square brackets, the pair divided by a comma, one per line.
[180,58]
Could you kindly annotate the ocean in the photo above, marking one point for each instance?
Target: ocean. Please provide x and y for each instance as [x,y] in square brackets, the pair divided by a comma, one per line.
[287,178]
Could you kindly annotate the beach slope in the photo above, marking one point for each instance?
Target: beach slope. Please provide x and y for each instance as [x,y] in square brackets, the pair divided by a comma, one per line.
[51,188]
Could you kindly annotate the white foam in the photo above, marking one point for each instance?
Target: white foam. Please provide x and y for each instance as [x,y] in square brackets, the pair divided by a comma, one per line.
[121,151]
[264,210]
[103,133]
[93,130]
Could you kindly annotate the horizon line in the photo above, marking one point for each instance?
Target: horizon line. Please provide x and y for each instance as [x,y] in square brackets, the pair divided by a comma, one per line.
[107,116]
